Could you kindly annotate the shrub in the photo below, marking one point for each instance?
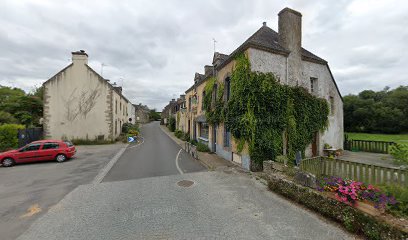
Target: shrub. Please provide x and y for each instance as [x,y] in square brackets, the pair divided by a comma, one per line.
[178,134]
[133,132]
[201,147]
[400,153]
[79,141]
[401,195]
[8,136]
[126,127]
[172,124]
[185,137]
[352,219]
[194,142]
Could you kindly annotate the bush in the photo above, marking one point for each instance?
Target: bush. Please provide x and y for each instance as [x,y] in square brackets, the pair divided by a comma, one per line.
[194,142]
[185,137]
[352,219]
[400,153]
[8,136]
[178,134]
[126,127]
[79,141]
[201,147]
[401,195]
[172,124]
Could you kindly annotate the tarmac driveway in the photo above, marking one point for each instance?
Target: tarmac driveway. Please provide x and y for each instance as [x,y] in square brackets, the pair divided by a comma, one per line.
[27,191]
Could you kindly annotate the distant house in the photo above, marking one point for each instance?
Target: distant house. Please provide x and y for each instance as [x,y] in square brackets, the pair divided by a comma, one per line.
[80,104]
[282,54]
[142,113]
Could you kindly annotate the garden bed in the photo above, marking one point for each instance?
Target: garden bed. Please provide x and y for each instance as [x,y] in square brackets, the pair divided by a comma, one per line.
[355,220]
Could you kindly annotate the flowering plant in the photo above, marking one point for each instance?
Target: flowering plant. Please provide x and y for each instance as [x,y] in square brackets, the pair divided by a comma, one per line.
[350,192]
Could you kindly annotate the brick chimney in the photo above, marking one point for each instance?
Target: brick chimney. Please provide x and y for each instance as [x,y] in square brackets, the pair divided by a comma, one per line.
[80,57]
[290,37]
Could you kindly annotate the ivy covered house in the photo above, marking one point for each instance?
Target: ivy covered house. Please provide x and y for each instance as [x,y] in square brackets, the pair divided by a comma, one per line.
[269,97]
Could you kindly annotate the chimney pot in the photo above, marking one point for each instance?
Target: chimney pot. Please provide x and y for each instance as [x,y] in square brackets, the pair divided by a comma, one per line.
[264,24]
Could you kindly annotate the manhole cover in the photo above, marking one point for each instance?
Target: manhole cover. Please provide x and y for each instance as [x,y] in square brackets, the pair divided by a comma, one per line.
[185,183]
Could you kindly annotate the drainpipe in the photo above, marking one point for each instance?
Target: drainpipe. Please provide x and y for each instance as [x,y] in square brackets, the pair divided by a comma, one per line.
[287,70]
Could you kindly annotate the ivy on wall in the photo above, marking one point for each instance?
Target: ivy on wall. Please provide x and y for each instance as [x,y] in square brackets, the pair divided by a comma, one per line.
[261,111]
[214,108]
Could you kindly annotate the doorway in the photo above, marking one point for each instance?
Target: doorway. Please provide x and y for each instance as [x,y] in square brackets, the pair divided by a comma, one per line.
[314,145]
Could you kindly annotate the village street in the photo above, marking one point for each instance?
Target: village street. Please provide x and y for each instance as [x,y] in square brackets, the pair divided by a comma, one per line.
[153,202]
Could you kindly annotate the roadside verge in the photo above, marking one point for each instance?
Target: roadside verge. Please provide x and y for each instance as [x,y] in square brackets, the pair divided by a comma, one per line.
[209,160]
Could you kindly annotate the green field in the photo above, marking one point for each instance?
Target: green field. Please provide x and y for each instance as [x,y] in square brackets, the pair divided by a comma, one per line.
[398,138]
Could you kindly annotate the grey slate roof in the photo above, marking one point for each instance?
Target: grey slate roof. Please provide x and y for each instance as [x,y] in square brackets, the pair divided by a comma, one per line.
[267,39]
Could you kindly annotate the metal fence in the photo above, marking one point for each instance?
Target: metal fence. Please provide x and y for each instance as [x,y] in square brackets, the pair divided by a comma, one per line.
[368,146]
[369,174]
[28,135]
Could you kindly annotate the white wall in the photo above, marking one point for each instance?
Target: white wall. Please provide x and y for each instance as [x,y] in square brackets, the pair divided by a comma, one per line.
[76,104]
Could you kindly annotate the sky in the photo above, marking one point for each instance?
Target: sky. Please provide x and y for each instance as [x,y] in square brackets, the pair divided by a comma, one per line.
[153,48]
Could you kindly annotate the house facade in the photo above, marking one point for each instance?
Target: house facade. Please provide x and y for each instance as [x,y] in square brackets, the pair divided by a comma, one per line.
[142,113]
[80,104]
[282,54]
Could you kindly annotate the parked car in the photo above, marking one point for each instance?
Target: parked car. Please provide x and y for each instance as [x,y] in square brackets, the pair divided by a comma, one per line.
[43,150]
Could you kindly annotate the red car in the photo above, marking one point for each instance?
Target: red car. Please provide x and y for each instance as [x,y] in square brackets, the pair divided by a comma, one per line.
[44,150]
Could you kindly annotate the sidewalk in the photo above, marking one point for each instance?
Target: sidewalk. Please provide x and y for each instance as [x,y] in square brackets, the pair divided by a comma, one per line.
[210,160]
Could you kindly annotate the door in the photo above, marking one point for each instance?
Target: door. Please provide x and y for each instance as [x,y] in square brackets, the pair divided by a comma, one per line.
[29,153]
[314,145]
[48,151]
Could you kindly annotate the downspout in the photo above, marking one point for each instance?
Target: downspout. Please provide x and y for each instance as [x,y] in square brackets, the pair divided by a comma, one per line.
[287,70]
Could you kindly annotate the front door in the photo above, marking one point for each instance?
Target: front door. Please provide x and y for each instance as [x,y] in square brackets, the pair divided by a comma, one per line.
[314,145]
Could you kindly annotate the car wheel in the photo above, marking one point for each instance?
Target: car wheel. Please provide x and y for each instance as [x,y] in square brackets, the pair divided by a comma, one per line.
[60,158]
[7,162]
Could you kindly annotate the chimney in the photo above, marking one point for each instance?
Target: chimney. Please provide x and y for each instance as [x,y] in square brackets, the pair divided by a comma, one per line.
[290,37]
[80,57]
[183,96]
[290,29]
[208,70]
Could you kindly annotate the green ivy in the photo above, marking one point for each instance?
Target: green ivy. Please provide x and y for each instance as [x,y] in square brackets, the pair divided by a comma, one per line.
[260,110]
[214,110]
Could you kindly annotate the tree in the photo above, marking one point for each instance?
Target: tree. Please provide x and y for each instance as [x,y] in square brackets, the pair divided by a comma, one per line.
[153,115]
[384,111]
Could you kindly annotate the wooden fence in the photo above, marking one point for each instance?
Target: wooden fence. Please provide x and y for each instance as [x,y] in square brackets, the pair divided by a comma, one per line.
[369,174]
[368,146]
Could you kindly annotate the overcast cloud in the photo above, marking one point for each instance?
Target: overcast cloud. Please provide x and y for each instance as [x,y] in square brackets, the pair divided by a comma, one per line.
[154,48]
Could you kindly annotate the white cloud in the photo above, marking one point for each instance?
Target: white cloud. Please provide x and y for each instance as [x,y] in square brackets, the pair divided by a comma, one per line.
[155,47]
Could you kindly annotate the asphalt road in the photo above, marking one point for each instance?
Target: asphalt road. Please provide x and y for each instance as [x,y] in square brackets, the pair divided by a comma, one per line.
[218,205]
[27,191]
[158,155]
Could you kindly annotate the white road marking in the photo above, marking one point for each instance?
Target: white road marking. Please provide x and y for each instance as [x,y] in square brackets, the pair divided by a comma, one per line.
[177,165]
[108,167]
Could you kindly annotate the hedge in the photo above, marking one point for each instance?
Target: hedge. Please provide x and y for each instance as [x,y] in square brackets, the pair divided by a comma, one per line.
[351,218]
[8,136]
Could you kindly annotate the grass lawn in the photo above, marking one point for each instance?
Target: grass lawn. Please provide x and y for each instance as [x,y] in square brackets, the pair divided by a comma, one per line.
[398,138]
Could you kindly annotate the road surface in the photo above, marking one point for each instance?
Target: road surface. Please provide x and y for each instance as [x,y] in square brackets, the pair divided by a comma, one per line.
[158,155]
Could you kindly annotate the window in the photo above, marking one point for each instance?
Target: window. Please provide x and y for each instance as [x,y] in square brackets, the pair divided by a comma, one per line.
[332,107]
[214,96]
[116,106]
[204,130]
[31,147]
[50,146]
[189,103]
[227,88]
[116,127]
[313,86]
[227,137]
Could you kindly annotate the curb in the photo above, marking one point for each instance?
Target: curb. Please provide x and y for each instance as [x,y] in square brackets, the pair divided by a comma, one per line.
[98,178]
[198,159]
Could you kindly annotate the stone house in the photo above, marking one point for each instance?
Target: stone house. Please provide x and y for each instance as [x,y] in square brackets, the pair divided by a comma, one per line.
[142,113]
[268,51]
[80,104]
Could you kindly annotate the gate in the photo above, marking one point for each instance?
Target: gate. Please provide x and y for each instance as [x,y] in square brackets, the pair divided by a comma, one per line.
[28,135]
